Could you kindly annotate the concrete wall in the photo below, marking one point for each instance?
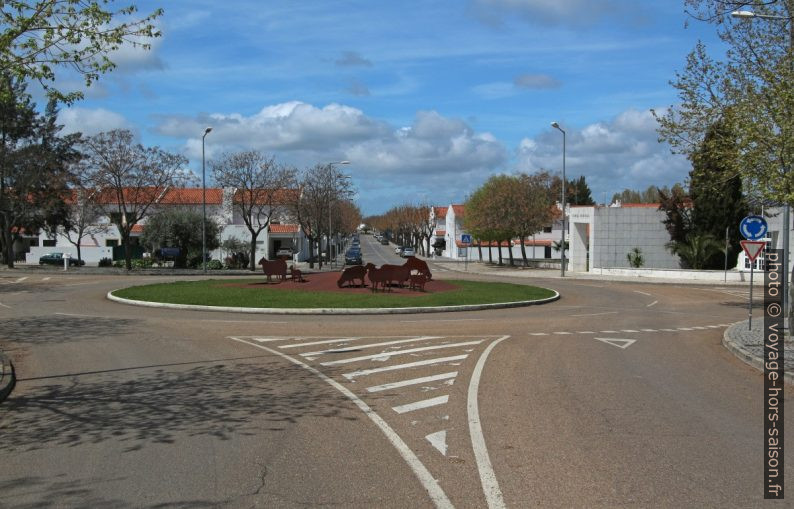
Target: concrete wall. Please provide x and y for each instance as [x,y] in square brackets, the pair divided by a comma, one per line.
[617,230]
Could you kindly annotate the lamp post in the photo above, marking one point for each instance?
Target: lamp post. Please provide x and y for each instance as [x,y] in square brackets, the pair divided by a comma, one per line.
[749,15]
[331,166]
[562,235]
[204,205]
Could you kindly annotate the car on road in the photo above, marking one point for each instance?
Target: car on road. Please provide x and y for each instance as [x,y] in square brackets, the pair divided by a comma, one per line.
[384,241]
[408,251]
[353,257]
[57,259]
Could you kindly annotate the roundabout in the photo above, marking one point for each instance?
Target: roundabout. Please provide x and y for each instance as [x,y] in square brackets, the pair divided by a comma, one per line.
[319,294]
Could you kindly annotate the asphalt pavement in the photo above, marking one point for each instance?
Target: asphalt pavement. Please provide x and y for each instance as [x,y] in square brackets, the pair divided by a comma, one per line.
[618,394]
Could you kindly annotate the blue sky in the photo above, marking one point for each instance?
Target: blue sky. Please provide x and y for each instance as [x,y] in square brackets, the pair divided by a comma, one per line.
[425,98]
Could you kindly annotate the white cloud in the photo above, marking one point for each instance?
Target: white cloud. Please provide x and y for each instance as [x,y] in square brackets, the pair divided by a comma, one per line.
[434,156]
[90,121]
[538,81]
[621,153]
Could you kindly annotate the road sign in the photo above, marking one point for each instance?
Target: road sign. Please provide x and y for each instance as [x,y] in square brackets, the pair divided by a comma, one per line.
[752,248]
[465,238]
[753,227]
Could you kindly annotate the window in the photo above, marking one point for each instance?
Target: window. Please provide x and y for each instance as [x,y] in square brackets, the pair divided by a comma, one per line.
[48,243]
[547,229]
[34,242]
[111,242]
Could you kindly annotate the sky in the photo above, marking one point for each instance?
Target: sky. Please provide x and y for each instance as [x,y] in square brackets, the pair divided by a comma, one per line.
[425,98]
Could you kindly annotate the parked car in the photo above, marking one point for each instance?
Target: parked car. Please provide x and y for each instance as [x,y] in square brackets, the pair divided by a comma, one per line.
[57,259]
[408,251]
[384,241]
[353,257]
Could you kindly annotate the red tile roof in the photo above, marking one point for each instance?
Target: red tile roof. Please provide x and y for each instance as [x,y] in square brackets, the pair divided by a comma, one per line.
[459,210]
[640,205]
[440,211]
[137,228]
[530,242]
[192,196]
[283,228]
[441,233]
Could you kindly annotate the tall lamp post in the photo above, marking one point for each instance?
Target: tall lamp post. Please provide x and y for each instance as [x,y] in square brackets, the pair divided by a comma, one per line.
[331,166]
[749,15]
[204,204]
[562,235]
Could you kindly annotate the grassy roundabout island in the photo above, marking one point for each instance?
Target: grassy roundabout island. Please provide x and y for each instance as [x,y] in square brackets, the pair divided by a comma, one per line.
[257,294]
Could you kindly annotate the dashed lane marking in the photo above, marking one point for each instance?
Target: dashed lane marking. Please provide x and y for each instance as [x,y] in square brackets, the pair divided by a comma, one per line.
[538,333]
[598,314]
[679,329]
[420,405]
[642,293]
[563,333]
[387,355]
[652,304]
[3,305]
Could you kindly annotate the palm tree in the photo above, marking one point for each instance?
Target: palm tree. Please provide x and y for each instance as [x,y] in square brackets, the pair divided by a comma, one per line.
[695,251]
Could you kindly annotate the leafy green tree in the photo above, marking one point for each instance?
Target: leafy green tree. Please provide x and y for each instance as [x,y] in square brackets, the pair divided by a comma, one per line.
[38,36]
[34,166]
[180,227]
[696,250]
[578,192]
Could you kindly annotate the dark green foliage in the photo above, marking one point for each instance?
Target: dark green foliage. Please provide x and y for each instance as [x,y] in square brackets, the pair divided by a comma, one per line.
[180,227]
[578,192]
[105,262]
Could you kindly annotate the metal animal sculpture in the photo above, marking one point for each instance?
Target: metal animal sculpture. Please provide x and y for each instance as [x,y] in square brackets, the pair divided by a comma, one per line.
[397,274]
[417,281]
[274,268]
[377,277]
[296,274]
[414,263]
[351,274]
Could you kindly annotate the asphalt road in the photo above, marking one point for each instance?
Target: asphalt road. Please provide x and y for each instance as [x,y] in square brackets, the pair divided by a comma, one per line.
[618,394]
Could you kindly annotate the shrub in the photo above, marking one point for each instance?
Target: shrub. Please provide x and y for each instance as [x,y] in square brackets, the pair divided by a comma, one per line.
[141,263]
[214,265]
[105,262]
[635,258]
[119,264]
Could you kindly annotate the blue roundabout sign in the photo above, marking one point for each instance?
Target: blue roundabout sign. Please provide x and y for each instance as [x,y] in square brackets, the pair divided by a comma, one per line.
[753,227]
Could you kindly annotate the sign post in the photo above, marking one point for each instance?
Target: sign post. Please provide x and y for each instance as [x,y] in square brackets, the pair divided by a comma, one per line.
[465,239]
[752,248]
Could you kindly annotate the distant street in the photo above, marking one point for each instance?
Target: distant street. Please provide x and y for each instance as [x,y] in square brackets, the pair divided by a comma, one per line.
[618,394]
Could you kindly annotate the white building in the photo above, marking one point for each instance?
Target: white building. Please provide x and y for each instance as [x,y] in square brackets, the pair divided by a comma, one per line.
[282,234]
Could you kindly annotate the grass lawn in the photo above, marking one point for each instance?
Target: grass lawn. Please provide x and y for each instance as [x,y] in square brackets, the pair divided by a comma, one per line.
[217,293]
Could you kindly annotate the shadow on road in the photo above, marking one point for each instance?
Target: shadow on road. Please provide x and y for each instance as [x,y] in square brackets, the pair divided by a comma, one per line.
[63,329]
[152,405]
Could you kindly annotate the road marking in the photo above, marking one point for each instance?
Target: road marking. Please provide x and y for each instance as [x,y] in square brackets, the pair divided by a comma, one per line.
[432,487]
[260,339]
[562,333]
[312,355]
[642,293]
[46,279]
[609,331]
[668,330]
[323,342]
[387,355]
[490,486]
[538,333]
[439,441]
[449,320]
[685,328]
[599,314]
[618,342]
[652,304]
[413,381]
[3,305]
[419,405]
[21,279]
[714,326]
[649,330]
[585,332]
[629,330]
[428,362]
[79,316]
[699,328]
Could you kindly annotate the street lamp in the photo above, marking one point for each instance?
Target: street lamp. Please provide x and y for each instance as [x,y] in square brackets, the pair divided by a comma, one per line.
[562,235]
[749,15]
[204,204]
[331,166]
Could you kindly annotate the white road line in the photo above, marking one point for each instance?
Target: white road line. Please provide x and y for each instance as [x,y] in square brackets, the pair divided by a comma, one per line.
[642,293]
[685,328]
[649,330]
[428,362]
[430,484]
[668,330]
[413,381]
[585,332]
[538,333]
[265,339]
[652,304]
[599,314]
[714,326]
[490,486]
[323,342]
[312,355]
[419,405]
[609,331]
[386,355]
[562,333]
[618,342]
[438,440]
[46,278]
[449,320]
[629,330]
[21,279]
[3,305]
[699,328]
[79,316]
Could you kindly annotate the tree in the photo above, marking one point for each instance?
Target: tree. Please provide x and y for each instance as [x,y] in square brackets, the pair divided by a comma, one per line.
[84,217]
[36,37]
[180,227]
[261,189]
[695,250]
[677,207]
[34,163]
[578,192]
[131,178]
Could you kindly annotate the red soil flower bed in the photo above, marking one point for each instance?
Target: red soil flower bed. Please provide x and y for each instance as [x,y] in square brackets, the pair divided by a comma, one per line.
[326,282]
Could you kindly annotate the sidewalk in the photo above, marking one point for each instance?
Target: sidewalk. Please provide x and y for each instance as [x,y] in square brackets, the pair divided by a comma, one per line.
[475,267]
[748,345]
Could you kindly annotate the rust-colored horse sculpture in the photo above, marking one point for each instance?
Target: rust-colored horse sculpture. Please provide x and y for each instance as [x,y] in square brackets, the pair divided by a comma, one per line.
[414,263]
[351,274]
[274,268]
